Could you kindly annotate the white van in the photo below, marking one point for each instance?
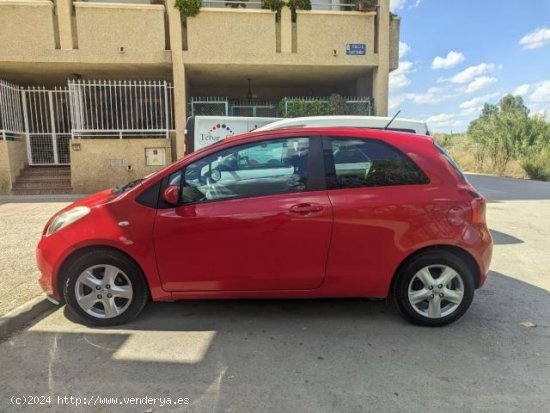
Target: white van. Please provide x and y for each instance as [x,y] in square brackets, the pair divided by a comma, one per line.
[202,131]
[369,122]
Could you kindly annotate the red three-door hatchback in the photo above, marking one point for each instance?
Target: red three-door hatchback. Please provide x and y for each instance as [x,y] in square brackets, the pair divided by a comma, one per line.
[296,213]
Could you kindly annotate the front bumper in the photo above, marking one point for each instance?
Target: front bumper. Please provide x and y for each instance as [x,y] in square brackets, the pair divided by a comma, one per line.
[50,254]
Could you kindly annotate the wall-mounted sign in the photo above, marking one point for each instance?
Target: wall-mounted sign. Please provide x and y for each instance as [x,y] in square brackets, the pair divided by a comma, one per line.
[356,49]
[155,156]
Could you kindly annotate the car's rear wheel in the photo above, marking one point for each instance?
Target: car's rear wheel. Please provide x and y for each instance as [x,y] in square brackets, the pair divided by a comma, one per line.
[105,288]
[434,288]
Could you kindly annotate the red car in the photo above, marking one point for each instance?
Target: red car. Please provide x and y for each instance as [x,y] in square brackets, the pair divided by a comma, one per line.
[296,213]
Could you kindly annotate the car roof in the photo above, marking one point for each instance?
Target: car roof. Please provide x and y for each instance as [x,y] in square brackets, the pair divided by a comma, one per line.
[332,131]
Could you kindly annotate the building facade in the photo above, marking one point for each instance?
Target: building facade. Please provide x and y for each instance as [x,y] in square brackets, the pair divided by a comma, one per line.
[92,85]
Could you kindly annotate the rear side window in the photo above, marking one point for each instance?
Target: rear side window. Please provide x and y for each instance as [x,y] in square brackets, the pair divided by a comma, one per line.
[355,163]
[451,162]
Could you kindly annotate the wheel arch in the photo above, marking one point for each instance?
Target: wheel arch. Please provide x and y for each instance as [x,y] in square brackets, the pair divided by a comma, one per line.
[453,249]
[71,258]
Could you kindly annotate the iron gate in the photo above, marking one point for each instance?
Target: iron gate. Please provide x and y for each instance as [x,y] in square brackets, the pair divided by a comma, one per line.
[47,114]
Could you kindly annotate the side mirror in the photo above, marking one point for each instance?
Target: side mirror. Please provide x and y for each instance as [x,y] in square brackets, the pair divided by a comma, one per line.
[171,195]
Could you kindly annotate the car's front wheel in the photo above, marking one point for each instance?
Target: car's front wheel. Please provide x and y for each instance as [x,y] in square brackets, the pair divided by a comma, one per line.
[434,288]
[105,288]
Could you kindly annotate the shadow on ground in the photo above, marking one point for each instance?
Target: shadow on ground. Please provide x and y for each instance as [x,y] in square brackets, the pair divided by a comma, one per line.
[300,355]
[500,238]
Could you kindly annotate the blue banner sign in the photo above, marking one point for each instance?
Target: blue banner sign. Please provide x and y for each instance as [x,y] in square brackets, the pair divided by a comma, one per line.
[356,49]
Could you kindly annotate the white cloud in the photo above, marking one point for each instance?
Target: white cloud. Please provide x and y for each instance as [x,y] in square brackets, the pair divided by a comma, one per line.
[537,38]
[442,117]
[522,90]
[446,122]
[452,59]
[397,4]
[415,5]
[541,93]
[468,74]
[477,102]
[480,83]
[399,78]
[431,96]
[404,48]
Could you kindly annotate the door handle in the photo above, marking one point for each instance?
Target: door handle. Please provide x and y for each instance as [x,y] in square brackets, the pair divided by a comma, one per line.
[306,209]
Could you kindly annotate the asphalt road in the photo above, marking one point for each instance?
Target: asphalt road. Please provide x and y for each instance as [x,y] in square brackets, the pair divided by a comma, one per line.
[316,356]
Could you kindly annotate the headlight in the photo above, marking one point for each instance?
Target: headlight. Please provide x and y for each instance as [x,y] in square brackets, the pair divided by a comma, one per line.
[67,218]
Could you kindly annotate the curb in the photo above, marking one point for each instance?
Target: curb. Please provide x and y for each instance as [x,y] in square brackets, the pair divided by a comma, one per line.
[24,314]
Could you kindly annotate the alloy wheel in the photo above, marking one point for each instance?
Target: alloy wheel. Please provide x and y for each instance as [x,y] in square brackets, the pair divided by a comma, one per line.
[436,291]
[103,291]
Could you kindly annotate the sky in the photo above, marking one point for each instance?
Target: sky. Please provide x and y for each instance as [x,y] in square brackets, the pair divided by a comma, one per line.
[457,55]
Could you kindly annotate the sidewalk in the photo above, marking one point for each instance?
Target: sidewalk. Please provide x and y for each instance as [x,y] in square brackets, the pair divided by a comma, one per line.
[22,219]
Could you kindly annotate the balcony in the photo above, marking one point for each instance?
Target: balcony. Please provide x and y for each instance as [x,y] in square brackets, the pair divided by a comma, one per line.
[100,34]
[255,36]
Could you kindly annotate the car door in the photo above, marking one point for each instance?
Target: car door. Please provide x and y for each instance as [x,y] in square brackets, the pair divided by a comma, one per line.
[252,217]
[378,196]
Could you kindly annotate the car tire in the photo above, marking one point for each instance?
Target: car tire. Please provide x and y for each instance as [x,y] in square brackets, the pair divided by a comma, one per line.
[419,289]
[89,294]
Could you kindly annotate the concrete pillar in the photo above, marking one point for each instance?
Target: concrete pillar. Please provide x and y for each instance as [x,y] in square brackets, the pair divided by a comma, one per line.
[363,86]
[64,23]
[178,75]
[174,26]
[286,30]
[180,101]
[381,73]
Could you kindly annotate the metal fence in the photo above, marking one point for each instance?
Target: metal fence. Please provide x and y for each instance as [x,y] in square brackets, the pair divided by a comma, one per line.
[253,109]
[121,108]
[209,106]
[11,113]
[320,106]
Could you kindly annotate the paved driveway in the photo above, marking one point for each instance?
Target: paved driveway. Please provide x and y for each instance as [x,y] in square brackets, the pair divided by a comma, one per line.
[316,356]
[21,222]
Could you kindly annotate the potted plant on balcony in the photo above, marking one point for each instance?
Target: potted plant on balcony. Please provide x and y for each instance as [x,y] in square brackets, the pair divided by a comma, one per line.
[273,5]
[188,8]
[365,5]
[299,5]
[236,3]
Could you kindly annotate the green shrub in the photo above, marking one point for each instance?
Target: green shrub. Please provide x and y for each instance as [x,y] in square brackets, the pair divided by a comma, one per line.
[337,105]
[273,5]
[188,8]
[299,4]
[537,165]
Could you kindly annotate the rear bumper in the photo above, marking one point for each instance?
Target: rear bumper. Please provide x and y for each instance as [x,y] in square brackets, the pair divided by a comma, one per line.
[483,253]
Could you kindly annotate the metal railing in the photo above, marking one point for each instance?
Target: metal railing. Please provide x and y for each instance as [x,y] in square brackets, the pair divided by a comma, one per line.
[208,106]
[11,113]
[313,105]
[119,108]
[330,5]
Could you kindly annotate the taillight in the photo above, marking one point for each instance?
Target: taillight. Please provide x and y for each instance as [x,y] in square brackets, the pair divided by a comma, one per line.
[479,206]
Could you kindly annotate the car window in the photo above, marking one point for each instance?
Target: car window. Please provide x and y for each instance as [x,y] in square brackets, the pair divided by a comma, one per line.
[260,168]
[353,163]
[451,161]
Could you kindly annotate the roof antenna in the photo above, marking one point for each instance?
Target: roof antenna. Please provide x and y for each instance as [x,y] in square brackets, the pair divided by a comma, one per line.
[392,119]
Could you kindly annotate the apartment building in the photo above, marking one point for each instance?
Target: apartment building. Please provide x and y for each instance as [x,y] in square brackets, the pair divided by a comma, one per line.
[101,91]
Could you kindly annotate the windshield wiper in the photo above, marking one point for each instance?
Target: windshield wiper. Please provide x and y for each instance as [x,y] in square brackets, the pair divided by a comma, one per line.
[125,187]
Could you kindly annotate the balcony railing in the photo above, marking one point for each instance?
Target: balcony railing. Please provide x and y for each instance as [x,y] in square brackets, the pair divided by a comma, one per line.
[286,107]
